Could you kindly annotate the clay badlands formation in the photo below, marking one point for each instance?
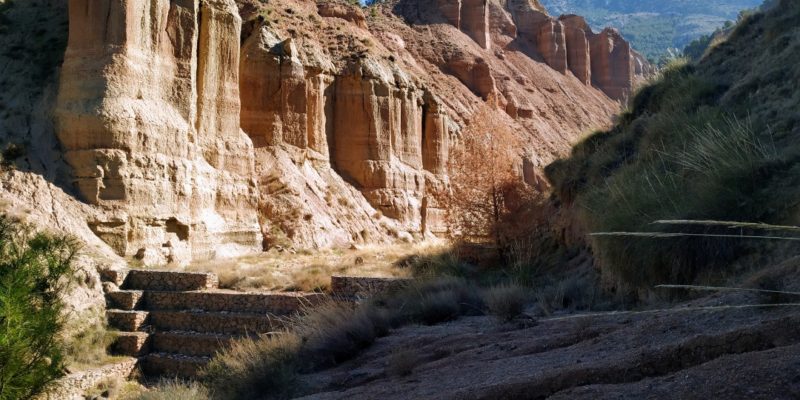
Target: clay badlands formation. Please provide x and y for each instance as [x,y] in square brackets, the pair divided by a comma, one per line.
[207,128]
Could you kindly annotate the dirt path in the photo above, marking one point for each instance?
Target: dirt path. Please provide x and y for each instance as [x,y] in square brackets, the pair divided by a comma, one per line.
[726,353]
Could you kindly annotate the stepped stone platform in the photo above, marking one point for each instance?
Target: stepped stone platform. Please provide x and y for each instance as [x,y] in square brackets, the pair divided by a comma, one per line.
[174,322]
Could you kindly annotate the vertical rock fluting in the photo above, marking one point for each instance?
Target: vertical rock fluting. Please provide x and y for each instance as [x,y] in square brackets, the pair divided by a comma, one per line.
[469,16]
[577,43]
[147,113]
[612,64]
[568,43]
[552,44]
[475,21]
[377,138]
[368,121]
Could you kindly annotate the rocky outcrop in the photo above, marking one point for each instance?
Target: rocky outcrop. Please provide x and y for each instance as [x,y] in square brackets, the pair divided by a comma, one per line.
[346,12]
[148,116]
[470,16]
[612,64]
[366,123]
[194,134]
[568,43]
[578,49]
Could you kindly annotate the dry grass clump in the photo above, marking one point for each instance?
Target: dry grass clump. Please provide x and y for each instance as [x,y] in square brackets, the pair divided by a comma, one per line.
[432,301]
[402,361]
[506,301]
[335,332]
[174,390]
[253,367]
[86,342]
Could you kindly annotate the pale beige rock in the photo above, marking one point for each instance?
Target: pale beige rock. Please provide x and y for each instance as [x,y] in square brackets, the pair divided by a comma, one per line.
[148,115]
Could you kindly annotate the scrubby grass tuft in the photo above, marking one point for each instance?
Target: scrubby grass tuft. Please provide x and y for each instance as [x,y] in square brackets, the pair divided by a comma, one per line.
[255,367]
[335,332]
[175,390]
[402,362]
[507,301]
[86,342]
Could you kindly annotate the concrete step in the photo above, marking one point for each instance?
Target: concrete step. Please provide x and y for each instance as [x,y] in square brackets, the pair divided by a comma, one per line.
[191,343]
[138,279]
[125,299]
[215,322]
[219,300]
[173,365]
[133,344]
[126,320]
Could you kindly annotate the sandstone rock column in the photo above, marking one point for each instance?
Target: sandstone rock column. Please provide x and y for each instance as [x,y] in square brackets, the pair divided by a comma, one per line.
[551,43]
[576,32]
[435,137]
[612,64]
[147,113]
[475,21]
[377,138]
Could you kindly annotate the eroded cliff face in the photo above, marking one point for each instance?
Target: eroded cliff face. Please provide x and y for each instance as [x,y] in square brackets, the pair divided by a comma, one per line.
[148,116]
[209,127]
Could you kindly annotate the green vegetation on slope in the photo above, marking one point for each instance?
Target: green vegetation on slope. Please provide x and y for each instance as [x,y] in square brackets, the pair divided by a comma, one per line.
[712,141]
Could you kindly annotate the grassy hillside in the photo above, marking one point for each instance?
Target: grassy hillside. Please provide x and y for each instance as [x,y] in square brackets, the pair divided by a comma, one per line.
[653,26]
[718,140]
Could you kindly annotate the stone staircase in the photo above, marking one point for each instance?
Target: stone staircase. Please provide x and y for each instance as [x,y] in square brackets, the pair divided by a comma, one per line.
[175,321]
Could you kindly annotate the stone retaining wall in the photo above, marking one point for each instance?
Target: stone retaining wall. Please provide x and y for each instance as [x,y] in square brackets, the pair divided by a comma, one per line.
[75,386]
[168,280]
[350,287]
[274,303]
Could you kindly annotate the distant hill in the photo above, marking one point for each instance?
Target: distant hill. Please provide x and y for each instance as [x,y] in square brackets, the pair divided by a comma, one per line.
[654,26]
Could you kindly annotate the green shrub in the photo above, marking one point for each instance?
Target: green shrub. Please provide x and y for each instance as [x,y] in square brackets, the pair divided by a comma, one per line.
[34,269]
[506,301]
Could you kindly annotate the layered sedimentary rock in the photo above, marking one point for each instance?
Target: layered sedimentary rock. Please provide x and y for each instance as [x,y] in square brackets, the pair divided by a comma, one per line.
[148,116]
[325,127]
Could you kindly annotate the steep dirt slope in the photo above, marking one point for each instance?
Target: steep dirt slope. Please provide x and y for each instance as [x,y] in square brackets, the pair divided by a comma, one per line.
[716,140]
